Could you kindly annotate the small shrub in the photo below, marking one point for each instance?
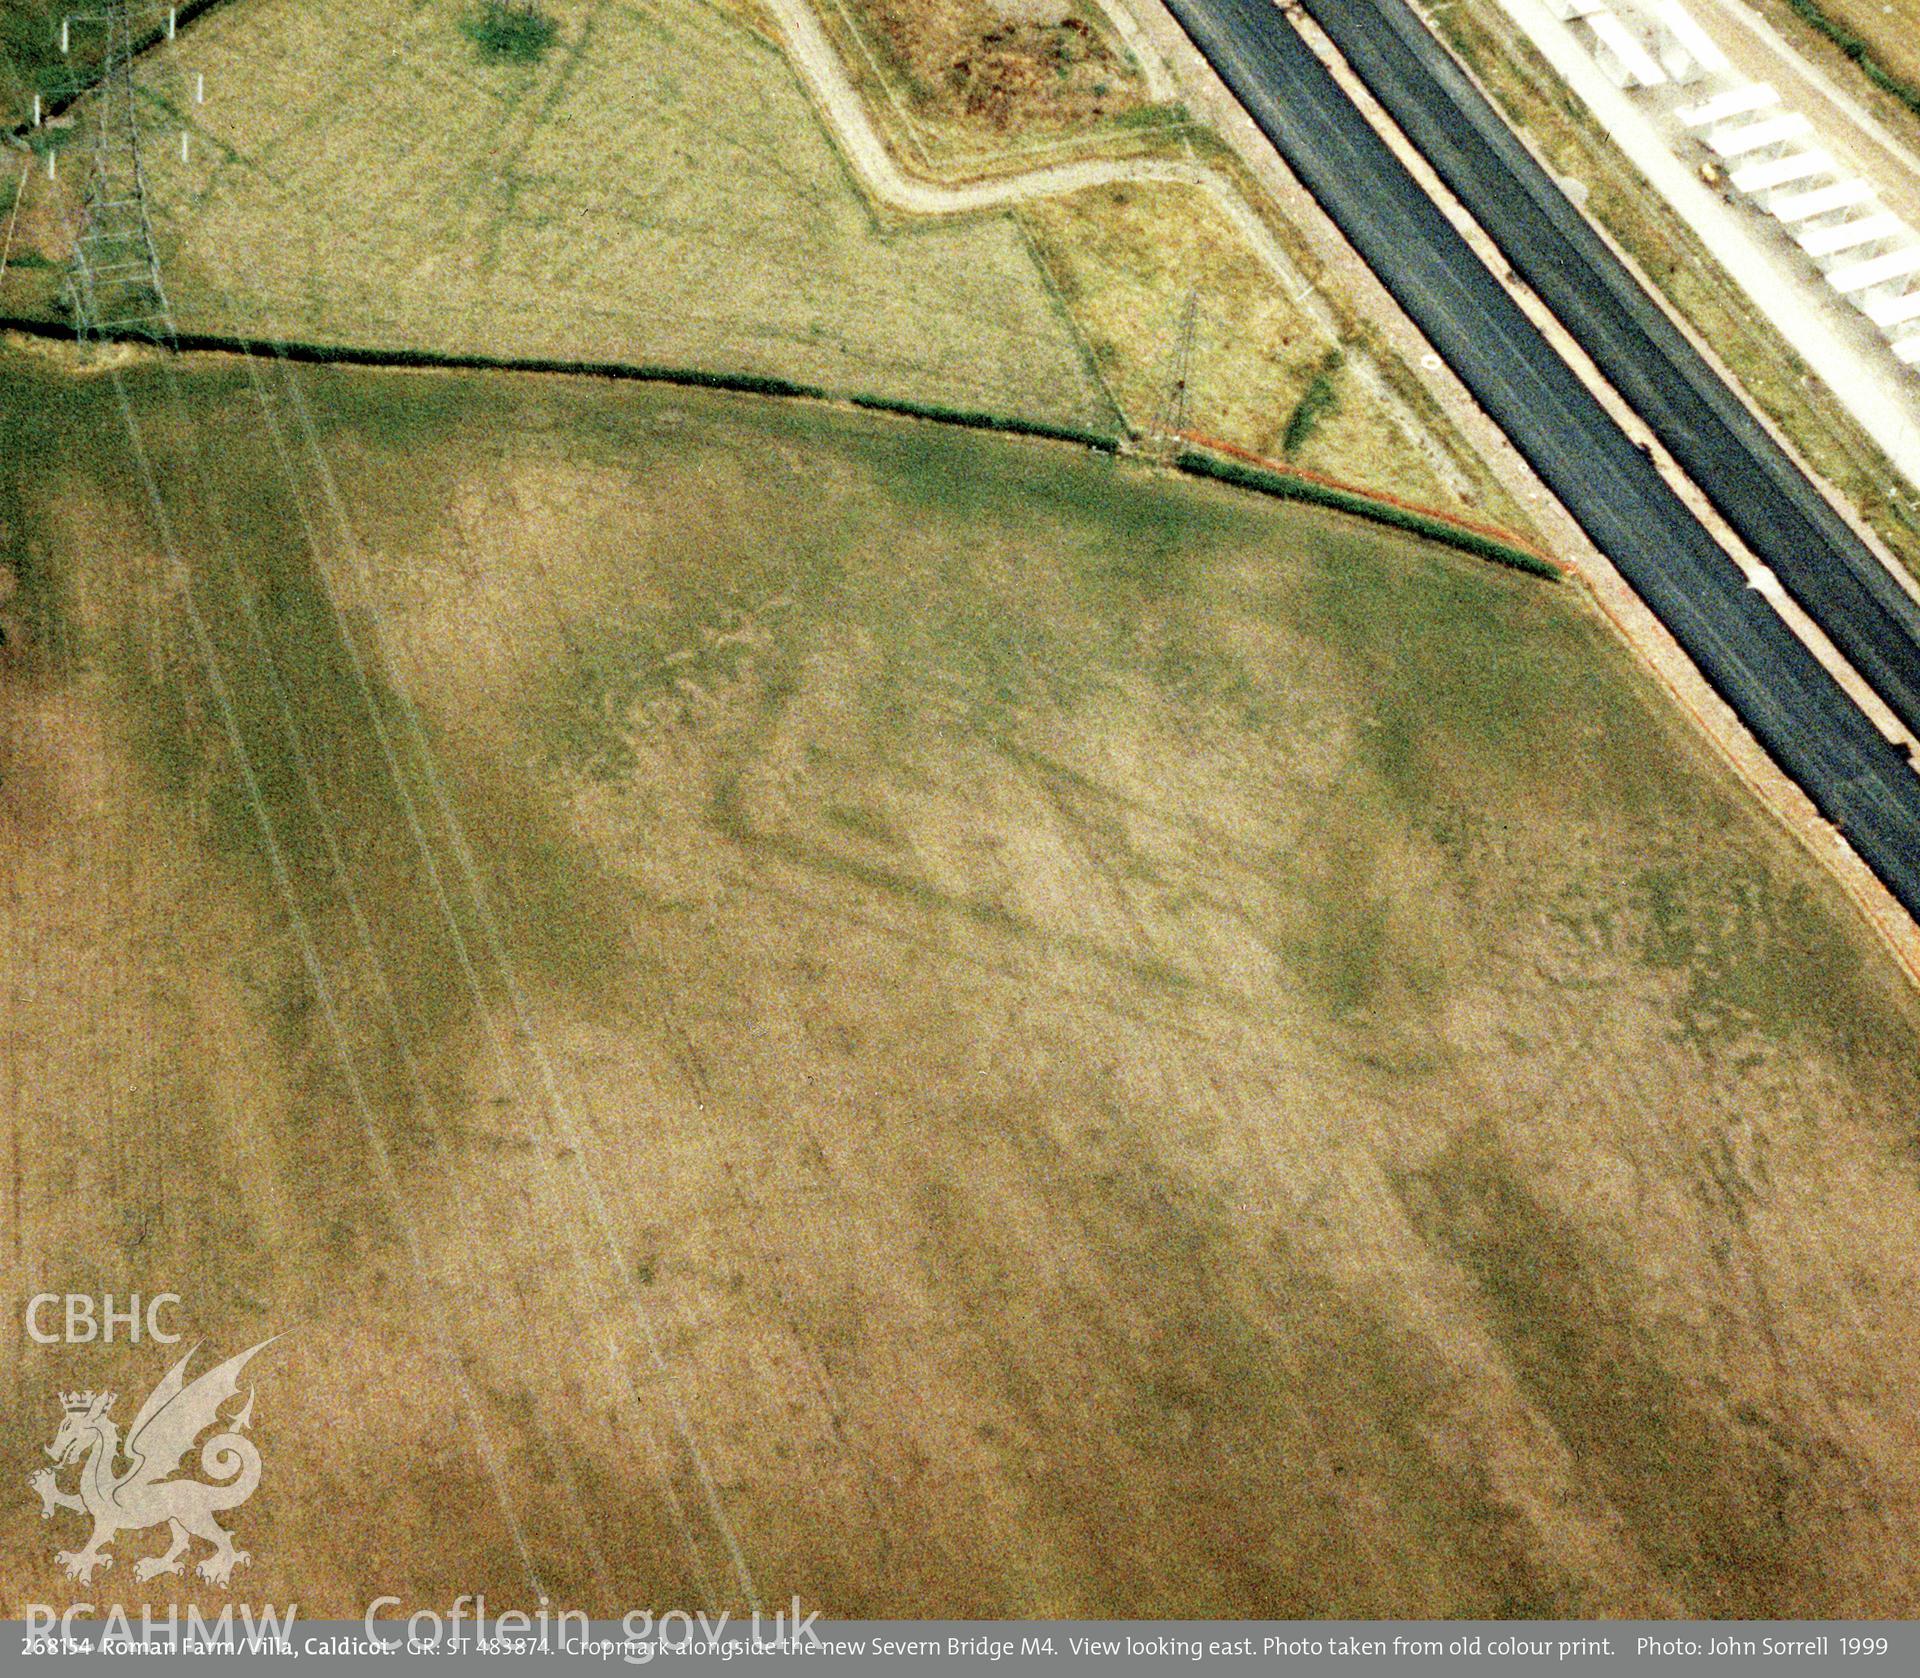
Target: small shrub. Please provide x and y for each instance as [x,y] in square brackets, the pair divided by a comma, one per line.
[521,33]
[1319,400]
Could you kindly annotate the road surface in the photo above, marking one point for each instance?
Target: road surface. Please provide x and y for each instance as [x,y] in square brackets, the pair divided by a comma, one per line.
[1705,426]
[1855,777]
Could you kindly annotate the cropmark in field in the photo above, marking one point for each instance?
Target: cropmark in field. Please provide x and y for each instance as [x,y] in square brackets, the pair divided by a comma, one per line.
[953,1028]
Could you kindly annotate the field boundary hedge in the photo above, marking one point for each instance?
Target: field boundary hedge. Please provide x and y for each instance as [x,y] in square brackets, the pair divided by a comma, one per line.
[1201,457]
[1207,458]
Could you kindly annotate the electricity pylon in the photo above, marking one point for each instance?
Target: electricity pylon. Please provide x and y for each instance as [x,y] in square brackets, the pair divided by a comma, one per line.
[114,281]
[1171,419]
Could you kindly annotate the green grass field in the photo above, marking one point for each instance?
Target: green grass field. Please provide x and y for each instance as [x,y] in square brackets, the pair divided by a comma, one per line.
[654,189]
[30,58]
[375,177]
[1138,1050]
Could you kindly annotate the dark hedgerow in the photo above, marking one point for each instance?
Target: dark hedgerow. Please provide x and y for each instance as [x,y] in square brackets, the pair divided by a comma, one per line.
[1193,461]
[1380,512]
[1860,51]
[505,29]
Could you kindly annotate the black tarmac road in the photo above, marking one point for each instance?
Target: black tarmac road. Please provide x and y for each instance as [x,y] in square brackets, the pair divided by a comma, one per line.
[1794,708]
[1749,478]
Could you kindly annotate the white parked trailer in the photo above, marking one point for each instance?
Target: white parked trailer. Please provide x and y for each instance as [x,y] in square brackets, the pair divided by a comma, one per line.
[1795,207]
[1908,349]
[1737,102]
[1875,271]
[1753,137]
[1777,172]
[1852,235]
[1889,312]
[1567,10]
[1687,52]
[1622,55]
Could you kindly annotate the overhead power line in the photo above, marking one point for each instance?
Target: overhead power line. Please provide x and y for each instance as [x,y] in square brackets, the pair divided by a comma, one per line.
[115,287]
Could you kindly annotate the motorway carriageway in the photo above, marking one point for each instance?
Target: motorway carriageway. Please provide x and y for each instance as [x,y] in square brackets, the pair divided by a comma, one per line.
[1781,515]
[1856,778]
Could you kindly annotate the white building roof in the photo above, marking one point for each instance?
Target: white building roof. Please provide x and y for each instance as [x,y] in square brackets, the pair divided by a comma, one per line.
[1822,201]
[1876,270]
[1890,312]
[1633,64]
[1694,44]
[1851,235]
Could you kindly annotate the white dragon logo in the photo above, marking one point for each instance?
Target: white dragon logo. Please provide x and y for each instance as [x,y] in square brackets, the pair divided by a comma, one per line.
[176,1413]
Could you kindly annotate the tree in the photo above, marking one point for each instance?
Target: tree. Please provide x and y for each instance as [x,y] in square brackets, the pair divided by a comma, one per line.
[513,29]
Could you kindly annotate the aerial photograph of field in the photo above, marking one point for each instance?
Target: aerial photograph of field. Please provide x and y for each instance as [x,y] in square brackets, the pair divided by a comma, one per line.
[811,805]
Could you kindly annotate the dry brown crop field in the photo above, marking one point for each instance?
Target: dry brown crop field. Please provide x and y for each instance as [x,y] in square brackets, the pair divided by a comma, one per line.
[933,1022]
[657,189]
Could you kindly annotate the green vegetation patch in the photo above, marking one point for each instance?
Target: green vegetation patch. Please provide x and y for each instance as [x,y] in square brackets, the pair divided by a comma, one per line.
[504,30]
[1316,402]
[30,57]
